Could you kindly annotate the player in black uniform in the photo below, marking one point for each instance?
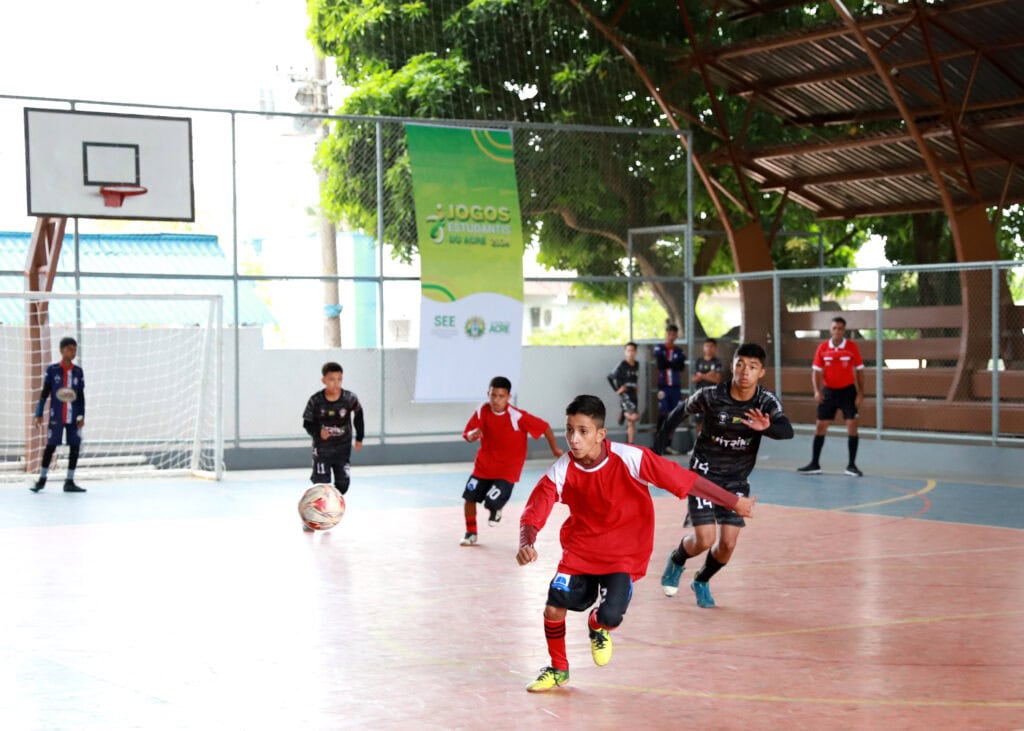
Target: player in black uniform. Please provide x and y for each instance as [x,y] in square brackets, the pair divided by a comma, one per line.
[329,417]
[707,371]
[624,380]
[737,413]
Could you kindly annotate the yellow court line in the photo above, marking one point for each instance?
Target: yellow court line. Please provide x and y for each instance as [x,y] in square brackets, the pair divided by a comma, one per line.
[826,562]
[929,486]
[919,702]
[841,627]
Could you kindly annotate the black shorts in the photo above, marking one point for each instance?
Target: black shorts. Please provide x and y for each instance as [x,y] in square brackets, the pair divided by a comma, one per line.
[705,512]
[492,493]
[332,468]
[835,399]
[578,592]
[627,402]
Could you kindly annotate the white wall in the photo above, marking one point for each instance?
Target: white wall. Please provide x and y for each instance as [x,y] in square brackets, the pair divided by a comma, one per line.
[275,384]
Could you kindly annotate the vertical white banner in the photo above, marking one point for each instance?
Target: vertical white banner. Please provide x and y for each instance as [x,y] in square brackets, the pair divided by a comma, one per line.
[471,252]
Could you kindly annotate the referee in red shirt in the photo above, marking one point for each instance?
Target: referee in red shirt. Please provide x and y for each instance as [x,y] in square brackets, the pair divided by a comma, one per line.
[837,375]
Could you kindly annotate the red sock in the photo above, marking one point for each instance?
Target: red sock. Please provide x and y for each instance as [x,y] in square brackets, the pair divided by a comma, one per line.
[555,634]
[471,525]
[593,623]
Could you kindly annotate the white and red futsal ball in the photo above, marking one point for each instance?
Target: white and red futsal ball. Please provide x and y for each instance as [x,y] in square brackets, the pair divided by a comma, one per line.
[321,507]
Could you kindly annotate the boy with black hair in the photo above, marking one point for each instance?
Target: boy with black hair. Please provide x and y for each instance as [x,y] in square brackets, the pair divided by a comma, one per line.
[737,413]
[64,385]
[502,430]
[624,380]
[837,375]
[608,538]
[670,361]
[328,418]
[707,371]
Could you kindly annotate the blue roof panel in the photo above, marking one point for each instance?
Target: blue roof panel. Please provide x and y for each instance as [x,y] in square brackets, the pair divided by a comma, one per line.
[134,254]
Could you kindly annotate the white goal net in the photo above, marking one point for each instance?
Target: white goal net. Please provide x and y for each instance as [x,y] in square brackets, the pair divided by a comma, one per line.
[153,382]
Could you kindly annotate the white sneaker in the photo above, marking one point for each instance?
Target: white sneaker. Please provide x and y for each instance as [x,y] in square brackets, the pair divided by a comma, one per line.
[495,518]
[468,540]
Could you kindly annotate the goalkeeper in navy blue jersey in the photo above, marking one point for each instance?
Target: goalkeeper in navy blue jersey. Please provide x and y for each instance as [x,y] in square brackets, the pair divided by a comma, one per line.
[64,386]
[329,418]
[736,414]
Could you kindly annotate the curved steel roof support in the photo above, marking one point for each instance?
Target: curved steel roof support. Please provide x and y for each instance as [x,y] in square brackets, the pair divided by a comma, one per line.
[973,235]
[748,243]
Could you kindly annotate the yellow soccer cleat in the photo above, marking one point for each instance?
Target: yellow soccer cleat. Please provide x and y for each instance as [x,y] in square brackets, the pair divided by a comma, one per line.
[600,646]
[548,679]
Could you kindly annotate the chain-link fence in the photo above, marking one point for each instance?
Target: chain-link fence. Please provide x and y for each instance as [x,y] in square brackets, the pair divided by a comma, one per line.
[593,200]
[941,344]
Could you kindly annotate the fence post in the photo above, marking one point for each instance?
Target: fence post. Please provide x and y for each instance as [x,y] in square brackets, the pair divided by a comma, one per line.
[995,354]
[777,330]
[879,357]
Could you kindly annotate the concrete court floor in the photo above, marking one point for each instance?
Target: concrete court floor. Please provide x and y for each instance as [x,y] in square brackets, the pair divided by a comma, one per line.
[872,603]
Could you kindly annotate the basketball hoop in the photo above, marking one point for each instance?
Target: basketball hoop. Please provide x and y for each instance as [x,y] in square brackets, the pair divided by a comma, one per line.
[114,195]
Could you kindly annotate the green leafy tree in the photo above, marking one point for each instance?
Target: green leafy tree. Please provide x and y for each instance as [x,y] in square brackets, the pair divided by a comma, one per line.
[537,62]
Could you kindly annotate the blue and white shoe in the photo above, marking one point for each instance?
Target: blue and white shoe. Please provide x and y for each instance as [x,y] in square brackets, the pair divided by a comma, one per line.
[703,594]
[670,579]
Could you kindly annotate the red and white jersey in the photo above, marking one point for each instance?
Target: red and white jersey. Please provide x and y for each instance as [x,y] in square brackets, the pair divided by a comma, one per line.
[610,528]
[503,441]
[838,363]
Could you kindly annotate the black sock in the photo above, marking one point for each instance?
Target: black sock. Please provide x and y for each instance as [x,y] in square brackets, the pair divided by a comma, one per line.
[680,555]
[711,567]
[819,442]
[851,445]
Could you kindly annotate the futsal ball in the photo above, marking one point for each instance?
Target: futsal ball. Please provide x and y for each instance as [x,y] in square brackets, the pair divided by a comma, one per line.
[321,507]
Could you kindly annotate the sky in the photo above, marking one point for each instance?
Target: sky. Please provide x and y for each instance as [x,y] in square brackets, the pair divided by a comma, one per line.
[223,54]
[217,53]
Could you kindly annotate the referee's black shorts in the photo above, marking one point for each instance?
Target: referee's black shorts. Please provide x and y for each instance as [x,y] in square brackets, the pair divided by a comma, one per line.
[835,399]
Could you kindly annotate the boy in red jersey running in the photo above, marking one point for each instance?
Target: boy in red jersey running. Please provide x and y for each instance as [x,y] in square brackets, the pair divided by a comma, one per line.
[501,430]
[608,538]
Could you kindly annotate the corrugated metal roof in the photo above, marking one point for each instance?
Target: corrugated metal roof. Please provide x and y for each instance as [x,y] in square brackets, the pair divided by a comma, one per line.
[133,254]
[958,69]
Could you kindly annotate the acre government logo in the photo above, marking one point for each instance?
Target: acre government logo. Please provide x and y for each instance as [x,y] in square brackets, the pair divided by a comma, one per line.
[476,327]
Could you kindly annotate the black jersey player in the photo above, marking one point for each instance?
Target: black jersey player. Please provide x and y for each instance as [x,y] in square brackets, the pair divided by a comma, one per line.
[736,414]
[329,418]
[624,380]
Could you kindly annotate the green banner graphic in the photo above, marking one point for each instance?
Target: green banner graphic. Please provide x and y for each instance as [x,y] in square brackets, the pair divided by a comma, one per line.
[468,221]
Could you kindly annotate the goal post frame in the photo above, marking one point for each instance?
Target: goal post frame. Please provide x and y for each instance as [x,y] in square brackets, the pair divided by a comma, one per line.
[207,438]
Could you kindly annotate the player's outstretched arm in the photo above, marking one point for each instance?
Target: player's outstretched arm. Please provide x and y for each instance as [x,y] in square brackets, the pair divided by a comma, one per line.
[527,535]
[745,506]
[552,442]
[705,488]
[526,554]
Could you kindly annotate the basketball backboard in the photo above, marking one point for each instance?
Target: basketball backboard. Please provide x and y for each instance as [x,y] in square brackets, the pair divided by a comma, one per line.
[71,157]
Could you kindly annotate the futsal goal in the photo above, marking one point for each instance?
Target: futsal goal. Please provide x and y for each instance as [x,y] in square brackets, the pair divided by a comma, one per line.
[153,382]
